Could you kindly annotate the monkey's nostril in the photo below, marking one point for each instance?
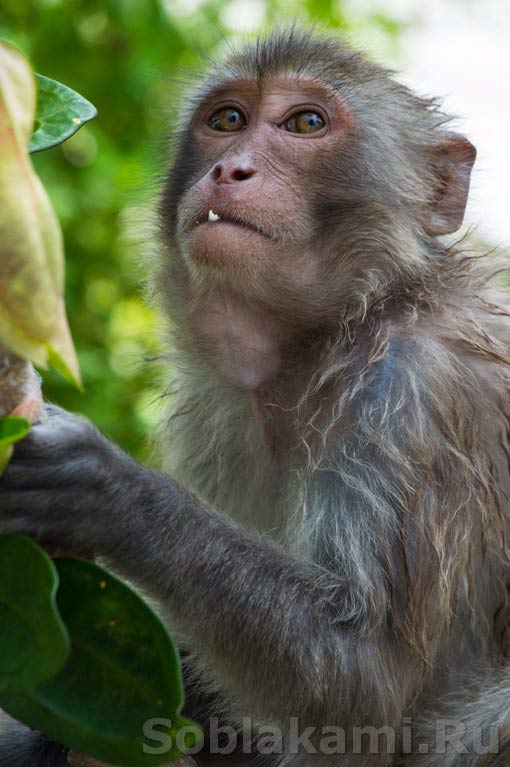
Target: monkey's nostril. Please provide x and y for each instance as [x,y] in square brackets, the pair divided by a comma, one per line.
[240,174]
[227,174]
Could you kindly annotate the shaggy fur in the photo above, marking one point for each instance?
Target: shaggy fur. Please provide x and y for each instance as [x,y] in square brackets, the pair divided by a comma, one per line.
[401,487]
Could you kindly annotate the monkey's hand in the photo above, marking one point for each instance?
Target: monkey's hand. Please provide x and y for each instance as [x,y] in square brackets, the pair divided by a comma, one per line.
[66,484]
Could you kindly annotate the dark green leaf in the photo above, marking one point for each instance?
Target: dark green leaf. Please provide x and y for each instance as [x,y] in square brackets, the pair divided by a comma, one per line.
[11,431]
[34,644]
[60,113]
[123,671]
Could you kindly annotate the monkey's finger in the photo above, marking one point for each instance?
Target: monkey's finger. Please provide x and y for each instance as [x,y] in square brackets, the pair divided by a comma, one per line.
[50,518]
[40,530]
[44,475]
[15,500]
[39,510]
[27,477]
[53,435]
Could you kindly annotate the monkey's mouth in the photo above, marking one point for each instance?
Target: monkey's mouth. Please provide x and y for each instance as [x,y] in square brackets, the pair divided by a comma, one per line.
[216,219]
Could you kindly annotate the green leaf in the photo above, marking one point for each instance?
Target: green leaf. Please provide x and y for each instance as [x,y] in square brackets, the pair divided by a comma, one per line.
[60,113]
[123,671]
[58,363]
[5,457]
[34,643]
[11,431]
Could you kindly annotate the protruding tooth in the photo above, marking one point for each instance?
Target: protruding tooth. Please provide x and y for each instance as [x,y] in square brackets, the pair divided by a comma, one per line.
[213,216]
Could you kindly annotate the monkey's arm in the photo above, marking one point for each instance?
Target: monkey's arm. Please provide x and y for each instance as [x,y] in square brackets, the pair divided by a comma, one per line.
[283,637]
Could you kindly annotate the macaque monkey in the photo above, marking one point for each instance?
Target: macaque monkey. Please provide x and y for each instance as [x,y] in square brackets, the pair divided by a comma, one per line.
[329,539]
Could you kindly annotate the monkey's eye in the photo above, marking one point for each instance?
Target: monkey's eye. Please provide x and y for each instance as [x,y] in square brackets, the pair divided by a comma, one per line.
[228,120]
[304,122]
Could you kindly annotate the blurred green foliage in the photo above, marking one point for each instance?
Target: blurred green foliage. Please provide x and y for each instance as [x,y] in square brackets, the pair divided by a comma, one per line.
[125,56]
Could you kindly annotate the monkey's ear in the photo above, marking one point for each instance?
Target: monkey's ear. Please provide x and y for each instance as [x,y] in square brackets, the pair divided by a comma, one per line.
[452,162]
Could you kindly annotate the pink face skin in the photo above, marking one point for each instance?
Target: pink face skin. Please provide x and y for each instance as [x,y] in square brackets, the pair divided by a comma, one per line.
[257,179]
[255,276]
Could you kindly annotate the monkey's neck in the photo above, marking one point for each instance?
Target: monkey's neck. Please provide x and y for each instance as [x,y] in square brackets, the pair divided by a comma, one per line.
[269,359]
[243,344]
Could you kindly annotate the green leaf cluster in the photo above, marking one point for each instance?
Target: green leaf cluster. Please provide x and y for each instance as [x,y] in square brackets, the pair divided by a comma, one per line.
[83,659]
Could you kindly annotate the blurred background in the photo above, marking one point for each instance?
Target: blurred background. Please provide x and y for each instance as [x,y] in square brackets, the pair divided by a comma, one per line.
[126,57]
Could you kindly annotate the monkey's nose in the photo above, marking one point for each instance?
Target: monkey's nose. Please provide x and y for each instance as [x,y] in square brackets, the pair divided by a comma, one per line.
[228,173]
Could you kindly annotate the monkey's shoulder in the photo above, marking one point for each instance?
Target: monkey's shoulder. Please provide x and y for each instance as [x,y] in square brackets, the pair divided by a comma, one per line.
[431,361]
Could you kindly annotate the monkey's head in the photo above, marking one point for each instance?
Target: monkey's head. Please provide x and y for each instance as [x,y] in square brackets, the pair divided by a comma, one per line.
[308,181]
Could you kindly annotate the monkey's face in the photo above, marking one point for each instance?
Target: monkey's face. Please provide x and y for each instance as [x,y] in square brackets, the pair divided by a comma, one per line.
[311,196]
[252,177]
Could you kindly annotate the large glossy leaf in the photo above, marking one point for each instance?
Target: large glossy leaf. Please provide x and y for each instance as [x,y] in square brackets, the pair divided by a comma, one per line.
[60,113]
[123,671]
[11,431]
[34,643]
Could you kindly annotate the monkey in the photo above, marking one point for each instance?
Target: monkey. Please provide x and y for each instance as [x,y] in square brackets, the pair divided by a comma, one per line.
[327,535]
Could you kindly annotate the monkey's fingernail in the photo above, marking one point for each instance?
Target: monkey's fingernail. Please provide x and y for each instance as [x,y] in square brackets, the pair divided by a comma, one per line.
[213,216]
